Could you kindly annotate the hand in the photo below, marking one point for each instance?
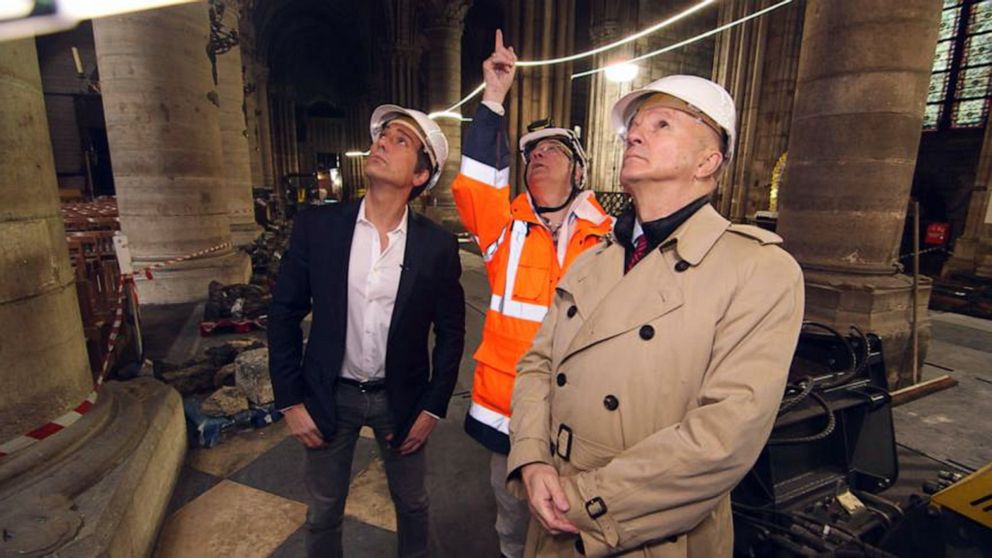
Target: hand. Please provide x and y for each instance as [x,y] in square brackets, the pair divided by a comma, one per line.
[498,71]
[546,498]
[421,429]
[302,427]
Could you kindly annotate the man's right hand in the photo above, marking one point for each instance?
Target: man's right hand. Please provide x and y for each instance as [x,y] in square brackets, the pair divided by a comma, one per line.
[302,426]
[498,71]
[546,498]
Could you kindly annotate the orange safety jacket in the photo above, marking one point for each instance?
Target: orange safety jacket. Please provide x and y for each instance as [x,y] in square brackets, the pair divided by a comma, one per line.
[523,265]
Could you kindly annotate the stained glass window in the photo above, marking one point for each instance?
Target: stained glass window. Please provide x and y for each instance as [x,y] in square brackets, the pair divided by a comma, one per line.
[931,116]
[961,78]
[977,50]
[981,17]
[970,114]
[942,59]
[948,23]
[973,82]
[938,87]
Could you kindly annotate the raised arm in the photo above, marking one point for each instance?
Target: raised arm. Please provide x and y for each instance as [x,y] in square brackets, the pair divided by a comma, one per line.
[481,189]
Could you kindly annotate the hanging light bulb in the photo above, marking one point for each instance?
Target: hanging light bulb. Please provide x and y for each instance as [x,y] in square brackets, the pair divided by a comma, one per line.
[622,72]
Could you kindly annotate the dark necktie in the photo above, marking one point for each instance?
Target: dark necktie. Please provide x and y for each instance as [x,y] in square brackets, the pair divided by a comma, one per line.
[640,250]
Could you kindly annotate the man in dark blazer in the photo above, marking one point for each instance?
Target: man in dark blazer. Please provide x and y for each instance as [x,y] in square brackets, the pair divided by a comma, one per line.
[376,277]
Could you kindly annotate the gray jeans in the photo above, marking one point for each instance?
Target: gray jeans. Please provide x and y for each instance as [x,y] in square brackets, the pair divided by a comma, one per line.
[328,475]
[512,515]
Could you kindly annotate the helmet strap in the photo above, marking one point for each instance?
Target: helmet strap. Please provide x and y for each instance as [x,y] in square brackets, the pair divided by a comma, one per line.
[540,209]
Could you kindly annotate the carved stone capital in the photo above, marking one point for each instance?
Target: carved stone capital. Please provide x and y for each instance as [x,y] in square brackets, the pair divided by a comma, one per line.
[447,13]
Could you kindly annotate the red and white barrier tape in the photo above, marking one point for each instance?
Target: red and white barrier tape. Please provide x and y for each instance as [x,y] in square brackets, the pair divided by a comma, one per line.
[75,414]
[148,270]
[72,416]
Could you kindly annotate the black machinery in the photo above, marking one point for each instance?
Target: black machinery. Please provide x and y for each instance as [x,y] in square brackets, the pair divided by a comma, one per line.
[816,489]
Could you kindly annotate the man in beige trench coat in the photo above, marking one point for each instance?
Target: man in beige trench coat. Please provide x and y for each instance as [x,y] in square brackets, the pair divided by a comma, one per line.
[656,376]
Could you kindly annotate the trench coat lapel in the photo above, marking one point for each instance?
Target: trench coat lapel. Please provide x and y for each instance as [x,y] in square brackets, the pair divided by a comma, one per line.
[616,303]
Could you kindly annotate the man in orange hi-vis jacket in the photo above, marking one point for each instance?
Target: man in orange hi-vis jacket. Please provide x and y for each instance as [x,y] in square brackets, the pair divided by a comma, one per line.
[527,245]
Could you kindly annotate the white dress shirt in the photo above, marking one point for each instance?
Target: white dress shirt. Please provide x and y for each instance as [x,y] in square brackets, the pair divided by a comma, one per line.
[373,279]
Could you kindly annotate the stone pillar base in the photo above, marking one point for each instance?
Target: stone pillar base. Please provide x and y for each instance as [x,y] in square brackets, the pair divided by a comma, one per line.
[984,266]
[876,304]
[243,234]
[101,486]
[188,281]
[963,258]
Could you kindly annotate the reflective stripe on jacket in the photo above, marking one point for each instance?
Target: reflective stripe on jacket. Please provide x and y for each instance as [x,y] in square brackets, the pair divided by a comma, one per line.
[522,263]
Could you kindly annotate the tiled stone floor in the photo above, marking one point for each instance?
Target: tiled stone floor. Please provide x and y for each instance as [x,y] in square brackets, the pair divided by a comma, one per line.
[246,497]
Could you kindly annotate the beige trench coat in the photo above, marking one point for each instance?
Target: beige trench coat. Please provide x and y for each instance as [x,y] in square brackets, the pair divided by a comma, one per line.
[653,393]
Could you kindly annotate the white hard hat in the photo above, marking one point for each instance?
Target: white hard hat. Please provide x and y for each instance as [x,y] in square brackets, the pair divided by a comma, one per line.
[435,144]
[566,136]
[702,96]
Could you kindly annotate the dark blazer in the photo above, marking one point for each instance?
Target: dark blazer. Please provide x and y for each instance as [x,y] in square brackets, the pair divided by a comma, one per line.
[314,276]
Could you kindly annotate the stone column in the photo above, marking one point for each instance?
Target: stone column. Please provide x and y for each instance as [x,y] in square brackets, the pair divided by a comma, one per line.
[357,135]
[100,485]
[251,108]
[399,53]
[277,124]
[264,113]
[293,165]
[539,31]
[862,84]
[778,86]
[973,249]
[236,169]
[444,34]
[602,144]
[739,68]
[164,133]
[45,369]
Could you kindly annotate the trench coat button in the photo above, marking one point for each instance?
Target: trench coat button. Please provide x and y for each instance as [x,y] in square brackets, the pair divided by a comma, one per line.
[681,266]
[673,538]
[560,379]
[580,547]
[646,332]
[611,402]
[571,311]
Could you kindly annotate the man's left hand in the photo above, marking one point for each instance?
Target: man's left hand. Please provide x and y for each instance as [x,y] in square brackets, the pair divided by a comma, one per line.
[419,432]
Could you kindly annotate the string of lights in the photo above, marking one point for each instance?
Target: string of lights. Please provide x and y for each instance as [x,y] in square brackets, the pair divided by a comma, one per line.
[533,63]
[626,66]
[688,41]
[629,38]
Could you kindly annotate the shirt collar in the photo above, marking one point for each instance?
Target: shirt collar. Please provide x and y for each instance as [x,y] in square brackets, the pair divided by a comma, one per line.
[584,209]
[629,227]
[400,228]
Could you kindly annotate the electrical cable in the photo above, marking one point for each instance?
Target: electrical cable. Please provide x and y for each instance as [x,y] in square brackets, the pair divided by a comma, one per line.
[742,512]
[827,430]
[843,377]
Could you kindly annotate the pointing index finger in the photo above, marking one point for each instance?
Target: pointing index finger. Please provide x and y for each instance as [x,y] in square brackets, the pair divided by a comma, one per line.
[499,40]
